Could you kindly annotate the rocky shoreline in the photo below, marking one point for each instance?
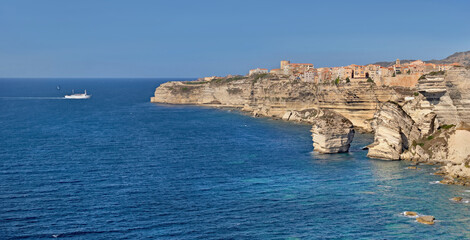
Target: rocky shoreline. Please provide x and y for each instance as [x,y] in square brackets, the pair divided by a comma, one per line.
[426,124]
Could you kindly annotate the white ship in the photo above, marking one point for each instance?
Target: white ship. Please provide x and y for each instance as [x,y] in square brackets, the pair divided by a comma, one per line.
[78,96]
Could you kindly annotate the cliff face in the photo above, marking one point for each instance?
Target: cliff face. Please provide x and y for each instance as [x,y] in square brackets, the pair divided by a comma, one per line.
[432,127]
[394,130]
[272,96]
[447,95]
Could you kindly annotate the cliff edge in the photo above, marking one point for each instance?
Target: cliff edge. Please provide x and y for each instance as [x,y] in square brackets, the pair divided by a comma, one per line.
[432,127]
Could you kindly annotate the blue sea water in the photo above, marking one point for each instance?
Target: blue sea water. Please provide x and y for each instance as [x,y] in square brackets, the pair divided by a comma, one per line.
[119,167]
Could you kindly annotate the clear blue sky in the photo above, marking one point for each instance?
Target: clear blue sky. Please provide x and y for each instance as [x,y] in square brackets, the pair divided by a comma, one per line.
[138,38]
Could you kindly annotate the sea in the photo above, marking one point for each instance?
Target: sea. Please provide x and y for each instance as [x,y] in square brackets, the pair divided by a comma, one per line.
[116,166]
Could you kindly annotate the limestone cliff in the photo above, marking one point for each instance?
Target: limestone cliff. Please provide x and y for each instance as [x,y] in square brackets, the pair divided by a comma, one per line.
[443,99]
[448,95]
[432,127]
[412,124]
[273,96]
[394,130]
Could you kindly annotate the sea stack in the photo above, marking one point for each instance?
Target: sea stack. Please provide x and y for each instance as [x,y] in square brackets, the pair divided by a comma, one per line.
[332,133]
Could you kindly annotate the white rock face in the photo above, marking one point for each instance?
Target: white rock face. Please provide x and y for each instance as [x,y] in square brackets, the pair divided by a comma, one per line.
[394,132]
[443,100]
[273,96]
[459,149]
[286,116]
[332,133]
[448,96]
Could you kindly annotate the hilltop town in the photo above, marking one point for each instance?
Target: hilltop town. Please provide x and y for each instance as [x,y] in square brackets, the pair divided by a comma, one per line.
[399,74]
[306,71]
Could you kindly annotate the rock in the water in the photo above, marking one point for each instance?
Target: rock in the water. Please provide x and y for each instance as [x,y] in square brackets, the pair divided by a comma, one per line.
[447,180]
[457,199]
[332,133]
[410,213]
[413,168]
[426,220]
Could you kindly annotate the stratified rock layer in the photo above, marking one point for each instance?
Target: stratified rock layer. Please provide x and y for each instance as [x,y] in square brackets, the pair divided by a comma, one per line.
[447,95]
[394,130]
[432,127]
[273,96]
[332,133]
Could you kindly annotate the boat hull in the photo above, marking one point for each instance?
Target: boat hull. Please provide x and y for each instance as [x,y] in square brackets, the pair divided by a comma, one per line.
[77,97]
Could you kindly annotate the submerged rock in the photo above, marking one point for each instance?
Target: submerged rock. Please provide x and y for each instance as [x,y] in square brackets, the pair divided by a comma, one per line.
[332,133]
[426,220]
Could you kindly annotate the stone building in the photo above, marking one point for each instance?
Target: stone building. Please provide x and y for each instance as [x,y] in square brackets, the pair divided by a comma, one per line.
[257,71]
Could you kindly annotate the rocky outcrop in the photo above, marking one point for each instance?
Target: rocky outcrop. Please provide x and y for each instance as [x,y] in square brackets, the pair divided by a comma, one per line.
[447,95]
[456,199]
[410,213]
[429,220]
[332,133]
[411,130]
[394,131]
[430,127]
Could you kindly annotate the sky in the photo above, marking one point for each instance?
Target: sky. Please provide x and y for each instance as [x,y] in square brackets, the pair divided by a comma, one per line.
[140,38]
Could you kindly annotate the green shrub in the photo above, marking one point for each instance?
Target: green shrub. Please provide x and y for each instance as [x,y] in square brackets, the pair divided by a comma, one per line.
[370,80]
[348,80]
[436,73]
[416,94]
[195,82]
[445,126]
[430,137]
[337,81]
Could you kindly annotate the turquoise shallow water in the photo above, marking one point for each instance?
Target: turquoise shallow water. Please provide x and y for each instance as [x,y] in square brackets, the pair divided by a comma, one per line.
[118,167]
